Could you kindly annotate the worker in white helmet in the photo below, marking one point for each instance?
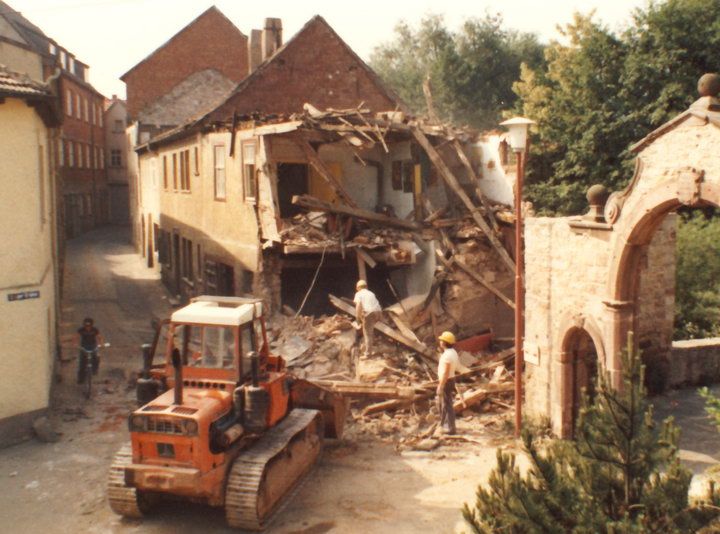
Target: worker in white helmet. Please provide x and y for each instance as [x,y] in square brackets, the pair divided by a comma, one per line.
[447,365]
[368,311]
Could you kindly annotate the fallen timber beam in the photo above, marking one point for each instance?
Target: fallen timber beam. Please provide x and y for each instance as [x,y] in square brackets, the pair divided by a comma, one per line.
[421,349]
[475,276]
[322,169]
[362,390]
[307,201]
[478,395]
[483,200]
[452,182]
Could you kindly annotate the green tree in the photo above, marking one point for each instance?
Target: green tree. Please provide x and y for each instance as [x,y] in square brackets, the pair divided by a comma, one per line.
[620,475]
[697,287]
[471,71]
[601,92]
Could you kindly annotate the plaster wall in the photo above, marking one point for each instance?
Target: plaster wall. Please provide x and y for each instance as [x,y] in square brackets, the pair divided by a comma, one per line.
[27,263]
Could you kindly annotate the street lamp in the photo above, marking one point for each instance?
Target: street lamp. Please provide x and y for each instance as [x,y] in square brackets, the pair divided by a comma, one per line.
[517,135]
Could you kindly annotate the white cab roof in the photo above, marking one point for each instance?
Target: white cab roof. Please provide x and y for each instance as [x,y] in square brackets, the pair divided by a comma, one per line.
[218,312]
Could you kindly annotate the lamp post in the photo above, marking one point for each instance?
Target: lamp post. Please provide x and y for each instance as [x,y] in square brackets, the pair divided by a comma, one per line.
[517,135]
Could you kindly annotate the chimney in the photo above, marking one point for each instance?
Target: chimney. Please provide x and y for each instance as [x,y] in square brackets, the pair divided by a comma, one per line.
[271,37]
[255,54]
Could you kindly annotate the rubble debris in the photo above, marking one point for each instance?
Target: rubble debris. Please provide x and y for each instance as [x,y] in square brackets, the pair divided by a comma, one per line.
[44,430]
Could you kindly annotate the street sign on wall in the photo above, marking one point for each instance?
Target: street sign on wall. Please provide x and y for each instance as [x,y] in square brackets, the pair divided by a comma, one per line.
[23,295]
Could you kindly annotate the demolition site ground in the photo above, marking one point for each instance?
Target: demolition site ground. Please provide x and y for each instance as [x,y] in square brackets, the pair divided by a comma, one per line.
[387,474]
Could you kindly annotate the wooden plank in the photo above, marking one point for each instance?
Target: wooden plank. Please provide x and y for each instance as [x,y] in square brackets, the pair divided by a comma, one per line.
[476,276]
[389,332]
[478,395]
[452,182]
[403,327]
[311,249]
[362,271]
[483,199]
[313,203]
[323,171]
[366,257]
[363,390]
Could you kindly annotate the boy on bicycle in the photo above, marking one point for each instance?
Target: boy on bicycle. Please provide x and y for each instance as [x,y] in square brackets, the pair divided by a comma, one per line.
[89,338]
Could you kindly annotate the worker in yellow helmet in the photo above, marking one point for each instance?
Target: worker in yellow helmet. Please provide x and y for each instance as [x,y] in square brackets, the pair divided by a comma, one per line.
[447,365]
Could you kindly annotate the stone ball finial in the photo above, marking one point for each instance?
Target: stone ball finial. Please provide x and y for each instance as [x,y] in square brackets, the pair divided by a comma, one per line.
[709,84]
[597,195]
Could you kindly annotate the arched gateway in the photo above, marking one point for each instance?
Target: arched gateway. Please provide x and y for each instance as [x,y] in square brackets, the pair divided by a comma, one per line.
[591,279]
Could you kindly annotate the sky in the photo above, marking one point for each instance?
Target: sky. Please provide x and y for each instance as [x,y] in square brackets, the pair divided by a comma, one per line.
[113,35]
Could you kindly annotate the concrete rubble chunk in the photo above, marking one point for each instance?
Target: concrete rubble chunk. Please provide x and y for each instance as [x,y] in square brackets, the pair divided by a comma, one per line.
[44,430]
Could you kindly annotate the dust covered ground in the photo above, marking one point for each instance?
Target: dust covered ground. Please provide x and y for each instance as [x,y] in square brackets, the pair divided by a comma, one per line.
[366,483]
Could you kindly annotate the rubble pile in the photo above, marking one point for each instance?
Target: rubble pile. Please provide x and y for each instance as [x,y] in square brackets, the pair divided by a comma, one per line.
[392,392]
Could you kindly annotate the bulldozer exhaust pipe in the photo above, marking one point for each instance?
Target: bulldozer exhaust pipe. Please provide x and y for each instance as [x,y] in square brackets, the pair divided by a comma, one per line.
[177,366]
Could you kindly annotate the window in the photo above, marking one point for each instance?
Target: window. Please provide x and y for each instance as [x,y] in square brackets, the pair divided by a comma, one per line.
[198,256]
[165,173]
[248,159]
[100,116]
[219,174]
[98,151]
[185,170]
[77,106]
[119,126]
[61,153]
[102,159]
[115,158]
[197,162]
[175,169]
[71,153]
[187,265]
[86,114]
[69,102]
[63,59]
[93,109]
[403,176]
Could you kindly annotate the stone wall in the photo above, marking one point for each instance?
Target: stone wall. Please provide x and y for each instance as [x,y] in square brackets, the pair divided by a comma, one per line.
[695,362]
[567,270]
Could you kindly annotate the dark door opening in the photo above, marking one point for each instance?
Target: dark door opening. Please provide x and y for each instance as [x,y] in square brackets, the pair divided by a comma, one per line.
[585,371]
[292,180]
[336,276]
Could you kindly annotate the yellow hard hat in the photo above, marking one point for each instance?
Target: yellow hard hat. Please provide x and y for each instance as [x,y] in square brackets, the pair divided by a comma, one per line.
[447,337]
[360,284]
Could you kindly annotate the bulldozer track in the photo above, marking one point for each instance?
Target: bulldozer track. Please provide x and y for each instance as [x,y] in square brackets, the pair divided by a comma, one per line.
[122,498]
[249,471]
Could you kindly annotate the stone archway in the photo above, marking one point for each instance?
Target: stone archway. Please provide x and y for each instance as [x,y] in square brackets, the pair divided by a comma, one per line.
[580,359]
[688,187]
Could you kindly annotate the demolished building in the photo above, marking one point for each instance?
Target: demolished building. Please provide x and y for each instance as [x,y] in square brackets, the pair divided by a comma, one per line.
[310,175]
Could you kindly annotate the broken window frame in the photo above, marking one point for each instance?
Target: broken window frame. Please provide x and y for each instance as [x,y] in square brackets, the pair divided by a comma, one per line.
[219,174]
[249,170]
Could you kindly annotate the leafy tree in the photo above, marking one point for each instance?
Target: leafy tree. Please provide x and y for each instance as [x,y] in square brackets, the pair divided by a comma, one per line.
[470,71]
[620,475]
[697,288]
[582,133]
[601,92]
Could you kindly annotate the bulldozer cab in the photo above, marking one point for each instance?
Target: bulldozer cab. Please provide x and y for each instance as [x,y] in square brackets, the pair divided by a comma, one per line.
[214,336]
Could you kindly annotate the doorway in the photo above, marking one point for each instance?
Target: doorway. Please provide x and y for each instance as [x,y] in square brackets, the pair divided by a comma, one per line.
[584,364]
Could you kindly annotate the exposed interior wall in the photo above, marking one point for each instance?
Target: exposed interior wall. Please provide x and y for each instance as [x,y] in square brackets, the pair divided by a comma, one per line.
[27,223]
[21,60]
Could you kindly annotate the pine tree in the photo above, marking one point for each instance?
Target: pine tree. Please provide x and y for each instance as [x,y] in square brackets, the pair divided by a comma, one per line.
[621,474]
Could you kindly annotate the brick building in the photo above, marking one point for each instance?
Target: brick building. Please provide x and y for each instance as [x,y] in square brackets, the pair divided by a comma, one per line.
[210,42]
[82,190]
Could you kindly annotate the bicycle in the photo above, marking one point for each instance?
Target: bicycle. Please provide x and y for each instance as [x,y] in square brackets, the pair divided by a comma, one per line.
[92,363]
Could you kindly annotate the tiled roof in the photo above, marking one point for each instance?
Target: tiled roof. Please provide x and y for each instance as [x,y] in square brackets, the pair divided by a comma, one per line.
[16,84]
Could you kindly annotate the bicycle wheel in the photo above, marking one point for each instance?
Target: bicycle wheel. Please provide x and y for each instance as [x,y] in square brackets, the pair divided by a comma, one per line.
[87,386]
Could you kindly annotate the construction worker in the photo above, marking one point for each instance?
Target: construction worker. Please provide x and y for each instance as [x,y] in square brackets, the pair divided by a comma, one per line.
[449,361]
[368,311]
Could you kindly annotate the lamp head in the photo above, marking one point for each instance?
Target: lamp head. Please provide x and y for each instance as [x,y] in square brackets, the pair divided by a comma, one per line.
[517,132]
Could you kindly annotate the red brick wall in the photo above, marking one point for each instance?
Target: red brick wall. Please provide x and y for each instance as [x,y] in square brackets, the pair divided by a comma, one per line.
[317,68]
[211,41]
